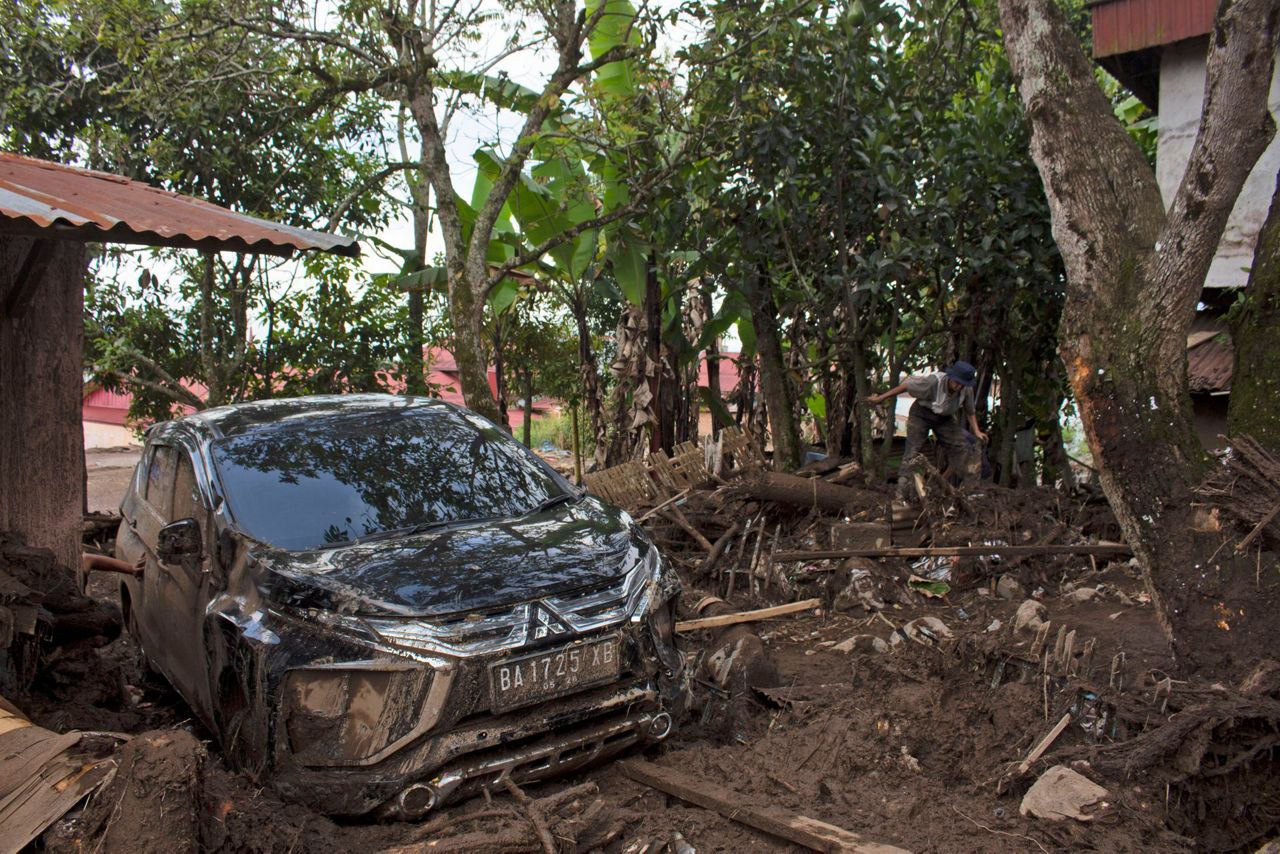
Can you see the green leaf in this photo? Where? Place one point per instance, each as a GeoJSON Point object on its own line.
{"type": "Point", "coordinates": [630, 264]}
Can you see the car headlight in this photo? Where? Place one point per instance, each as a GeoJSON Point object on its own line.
{"type": "Point", "coordinates": [346, 716]}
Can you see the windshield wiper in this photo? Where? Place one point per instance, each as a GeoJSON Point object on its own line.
{"type": "Point", "coordinates": [557, 500]}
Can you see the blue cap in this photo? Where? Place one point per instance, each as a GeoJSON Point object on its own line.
{"type": "Point", "coordinates": [963, 373]}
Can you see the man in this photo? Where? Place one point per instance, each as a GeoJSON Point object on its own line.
{"type": "Point", "coordinates": [939, 398]}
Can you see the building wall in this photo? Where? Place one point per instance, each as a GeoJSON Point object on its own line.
{"type": "Point", "coordinates": [99, 435]}
{"type": "Point", "coordinates": [1182, 79]}
{"type": "Point", "coordinates": [41, 442]}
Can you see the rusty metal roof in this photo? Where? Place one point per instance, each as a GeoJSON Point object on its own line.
{"type": "Point", "coordinates": [44, 199]}
{"type": "Point", "coordinates": [1209, 356]}
{"type": "Point", "coordinates": [1125, 26]}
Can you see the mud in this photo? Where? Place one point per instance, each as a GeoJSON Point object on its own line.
{"type": "Point", "coordinates": [917, 746]}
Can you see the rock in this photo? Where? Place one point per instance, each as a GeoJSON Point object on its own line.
{"type": "Point", "coordinates": [1030, 616]}
{"type": "Point", "coordinates": [861, 643]}
{"type": "Point", "coordinates": [995, 626]}
{"type": "Point", "coordinates": [1009, 588]}
{"type": "Point", "coordinates": [1082, 595]}
{"type": "Point", "coordinates": [1061, 793]}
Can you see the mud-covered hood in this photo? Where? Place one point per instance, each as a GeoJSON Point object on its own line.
{"type": "Point", "coordinates": [468, 568]}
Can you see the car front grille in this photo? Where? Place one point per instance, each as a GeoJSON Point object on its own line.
{"type": "Point", "coordinates": [510, 628]}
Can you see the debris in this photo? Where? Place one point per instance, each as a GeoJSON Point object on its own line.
{"type": "Point", "coordinates": [995, 625]}
{"type": "Point", "coordinates": [934, 568]}
{"type": "Point", "coordinates": [42, 776]}
{"type": "Point", "coordinates": [1044, 744]}
{"type": "Point", "coordinates": [860, 589]}
{"type": "Point", "coordinates": [861, 535]}
{"type": "Point", "coordinates": [861, 643]}
{"type": "Point", "coordinates": [801, 830]}
{"type": "Point", "coordinates": [1061, 793]}
{"type": "Point", "coordinates": [1009, 588]}
{"type": "Point", "coordinates": [784, 488]}
{"type": "Point", "coordinates": [746, 616]}
{"type": "Point", "coordinates": [1081, 595]}
{"type": "Point", "coordinates": [930, 589]}
{"type": "Point", "coordinates": [1116, 549]}
{"type": "Point", "coordinates": [925, 630]}
{"type": "Point", "coordinates": [1030, 616]}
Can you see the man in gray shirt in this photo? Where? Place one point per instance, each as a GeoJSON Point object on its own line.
{"type": "Point", "coordinates": [939, 398]}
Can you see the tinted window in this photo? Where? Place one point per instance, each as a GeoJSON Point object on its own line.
{"type": "Point", "coordinates": [160, 471]}
{"type": "Point", "coordinates": [329, 479]}
{"type": "Point", "coordinates": [186, 497]}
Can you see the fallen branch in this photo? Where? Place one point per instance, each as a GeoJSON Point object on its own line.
{"type": "Point", "coordinates": [801, 830]}
{"type": "Point", "coordinates": [1116, 549]}
{"type": "Point", "coordinates": [746, 616]}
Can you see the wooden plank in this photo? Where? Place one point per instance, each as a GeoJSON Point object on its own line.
{"type": "Point", "coordinates": [1116, 549]}
{"type": "Point", "coordinates": [1040, 748]}
{"type": "Point", "coordinates": [747, 616]}
{"type": "Point", "coordinates": [802, 830]}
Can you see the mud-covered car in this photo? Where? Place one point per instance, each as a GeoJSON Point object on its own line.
{"type": "Point", "coordinates": [382, 602]}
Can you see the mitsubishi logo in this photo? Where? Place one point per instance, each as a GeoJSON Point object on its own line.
{"type": "Point", "coordinates": [545, 622]}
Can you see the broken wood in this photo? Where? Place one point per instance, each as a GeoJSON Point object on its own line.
{"type": "Point", "coordinates": [672, 500]}
{"type": "Point", "coordinates": [676, 515]}
{"type": "Point", "coordinates": [801, 830]}
{"type": "Point", "coordinates": [1115, 549]}
{"type": "Point", "coordinates": [1044, 743]}
{"type": "Point", "coordinates": [718, 547]}
{"type": "Point", "coordinates": [1257, 529]}
{"type": "Point", "coordinates": [746, 616]}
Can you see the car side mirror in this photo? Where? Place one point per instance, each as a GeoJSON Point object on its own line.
{"type": "Point", "coordinates": [179, 540]}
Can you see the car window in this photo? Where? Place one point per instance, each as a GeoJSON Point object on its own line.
{"type": "Point", "coordinates": [160, 471]}
{"type": "Point", "coordinates": [330, 479]}
{"type": "Point", "coordinates": [186, 498]}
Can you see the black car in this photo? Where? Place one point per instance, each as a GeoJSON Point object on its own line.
{"type": "Point", "coordinates": [387, 602]}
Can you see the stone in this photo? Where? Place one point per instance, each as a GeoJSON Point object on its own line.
{"type": "Point", "coordinates": [1009, 588]}
{"type": "Point", "coordinates": [1062, 793]}
{"type": "Point", "coordinates": [861, 643]}
{"type": "Point", "coordinates": [1082, 595]}
{"type": "Point", "coordinates": [1030, 616]}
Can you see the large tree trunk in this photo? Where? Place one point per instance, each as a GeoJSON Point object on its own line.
{"type": "Point", "coordinates": [1134, 277]}
{"type": "Point", "coordinates": [774, 384]}
{"type": "Point", "coordinates": [1255, 335]}
{"type": "Point", "coordinates": [41, 388]}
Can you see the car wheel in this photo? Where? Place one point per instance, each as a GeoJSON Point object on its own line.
{"type": "Point", "coordinates": [131, 623]}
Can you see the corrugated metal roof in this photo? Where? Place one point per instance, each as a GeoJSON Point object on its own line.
{"type": "Point", "coordinates": [1209, 356]}
{"type": "Point", "coordinates": [38, 197]}
{"type": "Point", "coordinates": [1126, 26]}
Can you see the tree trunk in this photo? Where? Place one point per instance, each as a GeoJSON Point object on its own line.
{"type": "Point", "coordinates": [1255, 336]}
{"type": "Point", "coordinates": [774, 384]}
{"type": "Point", "coordinates": [41, 388]}
{"type": "Point", "coordinates": [526, 390]}
{"type": "Point", "coordinates": [1134, 277]}
{"type": "Point", "coordinates": [591, 393]}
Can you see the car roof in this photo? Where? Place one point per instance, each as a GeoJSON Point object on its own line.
{"type": "Point", "coordinates": [240, 418]}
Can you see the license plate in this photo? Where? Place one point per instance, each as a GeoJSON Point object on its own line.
{"type": "Point", "coordinates": [543, 676]}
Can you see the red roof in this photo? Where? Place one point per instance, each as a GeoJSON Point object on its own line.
{"type": "Point", "coordinates": [729, 376]}
{"type": "Point", "coordinates": [1127, 26]}
{"type": "Point", "coordinates": [47, 199]}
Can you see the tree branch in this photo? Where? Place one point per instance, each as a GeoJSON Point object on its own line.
{"type": "Point", "coordinates": [1235, 128]}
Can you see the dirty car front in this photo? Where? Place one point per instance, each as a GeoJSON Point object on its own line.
{"type": "Point", "coordinates": [411, 606]}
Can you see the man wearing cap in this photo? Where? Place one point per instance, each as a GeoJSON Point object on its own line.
{"type": "Point", "coordinates": [939, 398]}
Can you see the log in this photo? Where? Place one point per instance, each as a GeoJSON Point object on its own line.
{"type": "Point", "coordinates": [784, 488]}
{"type": "Point", "coordinates": [801, 830]}
{"type": "Point", "coordinates": [717, 548]}
{"type": "Point", "coordinates": [746, 616]}
{"type": "Point", "coordinates": [1114, 549]}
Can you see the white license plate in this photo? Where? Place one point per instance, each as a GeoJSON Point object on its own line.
{"type": "Point", "coordinates": [543, 676]}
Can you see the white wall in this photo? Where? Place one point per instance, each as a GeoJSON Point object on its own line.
{"type": "Point", "coordinates": [1182, 78]}
{"type": "Point", "coordinates": [97, 435]}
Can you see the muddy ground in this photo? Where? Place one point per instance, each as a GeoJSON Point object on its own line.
{"type": "Point", "coordinates": [915, 746]}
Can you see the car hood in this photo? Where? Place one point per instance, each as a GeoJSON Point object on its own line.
{"type": "Point", "coordinates": [472, 567]}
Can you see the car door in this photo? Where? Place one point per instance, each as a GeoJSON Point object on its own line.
{"type": "Point", "coordinates": [175, 592]}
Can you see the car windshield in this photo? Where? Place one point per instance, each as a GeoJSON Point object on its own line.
{"type": "Point", "coordinates": [326, 480]}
